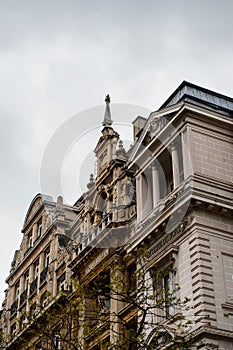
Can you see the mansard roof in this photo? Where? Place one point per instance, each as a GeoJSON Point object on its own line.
{"type": "Point", "coordinates": [200, 96]}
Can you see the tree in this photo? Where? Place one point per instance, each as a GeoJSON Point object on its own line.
{"type": "Point", "coordinates": [121, 307]}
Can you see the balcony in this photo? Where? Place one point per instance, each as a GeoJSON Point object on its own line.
{"type": "Point", "coordinates": [43, 275]}
{"type": "Point", "coordinates": [33, 286]}
{"type": "Point", "coordinates": [91, 237]}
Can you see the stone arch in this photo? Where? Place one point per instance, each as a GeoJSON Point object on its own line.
{"type": "Point", "coordinates": [159, 338]}
{"type": "Point", "coordinates": [99, 203]}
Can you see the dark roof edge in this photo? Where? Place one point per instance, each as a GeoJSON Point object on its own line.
{"type": "Point", "coordinates": [187, 83]}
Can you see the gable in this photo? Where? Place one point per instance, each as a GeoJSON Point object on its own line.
{"type": "Point", "coordinates": [35, 206]}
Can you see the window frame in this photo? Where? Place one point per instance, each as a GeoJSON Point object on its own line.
{"type": "Point", "coordinates": [39, 228]}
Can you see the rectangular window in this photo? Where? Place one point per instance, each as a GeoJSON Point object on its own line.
{"type": "Point", "coordinates": [132, 278]}
{"type": "Point", "coordinates": [26, 281]}
{"type": "Point", "coordinates": [33, 310]}
{"type": "Point", "coordinates": [36, 268]}
{"type": "Point", "coordinates": [29, 240]}
{"type": "Point", "coordinates": [39, 228]}
{"type": "Point", "coordinates": [17, 288]}
{"type": "Point", "coordinates": [43, 300]}
{"type": "Point", "coordinates": [34, 283]}
{"type": "Point", "coordinates": [168, 284]}
{"type": "Point", "coordinates": [47, 257]}
{"type": "Point", "coordinates": [62, 282]}
{"type": "Point", "coordinates": [164, 291]}
{"type": "Point", "coordinates": [13, 330]}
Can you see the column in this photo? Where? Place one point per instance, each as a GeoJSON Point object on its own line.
{"type": "Point", "coordinates": [155, 185]}
{"type": "Point", "coordinates": [175, 165]}
{"type": "Point", "coordinates": [139, 196]}
{"type": "Point", "coordinates": [187, 152]}
{"type": "Point", "coordinates": [149, 190]}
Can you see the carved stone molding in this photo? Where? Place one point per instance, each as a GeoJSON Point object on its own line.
{"type": "Point", "coordinates": [37, 204]}
{"type": "Point", "coordinates": [167, 238]}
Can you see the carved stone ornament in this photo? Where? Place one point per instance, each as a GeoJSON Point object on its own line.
{"type": "Point", "coordinates": [47, 220]}
{"type": "Point", "coordinates": [168, 237]}
{"type": "Point", "coordinates": [53, 232]}
{"type": "Point", "coordinates": [61, 255]}
{"type": "Point", "coordinates": [157, 124]}
{"type": "Point", "coordinates": [132, 210]}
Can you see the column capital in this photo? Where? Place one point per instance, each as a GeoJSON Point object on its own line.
{"type": "Point", "coordinates": [173, 145]}
{"type": "Point", "coordinates": [154, 165]}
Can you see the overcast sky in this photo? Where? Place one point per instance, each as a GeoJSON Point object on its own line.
{"type": "Point", "coordinates": [59, 58]}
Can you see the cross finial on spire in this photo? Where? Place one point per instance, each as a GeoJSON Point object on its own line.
{"type": "Point", "coordinates": [107, 116]}
{"type": "Point", "coordinates": [107, 98]}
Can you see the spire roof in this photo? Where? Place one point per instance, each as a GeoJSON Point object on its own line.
{"type": "Point", "coordinates": [107, 116]}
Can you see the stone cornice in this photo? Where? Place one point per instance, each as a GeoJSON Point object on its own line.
{"type": "Point", "coordinates": [179, 109]}
{"type": "Point", "coordinates": [217, 333]}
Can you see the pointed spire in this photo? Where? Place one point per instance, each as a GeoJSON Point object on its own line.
{"type": "Point", "coordinates": [107, 116]}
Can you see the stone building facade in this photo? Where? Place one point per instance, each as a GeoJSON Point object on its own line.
{"type": "Point", "coordinates": [163, 206]}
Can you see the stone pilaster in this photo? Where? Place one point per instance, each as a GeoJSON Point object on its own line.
{"type": "Point", "coordinates": [155, 184]}
{"type": "Point", "coordinates": [139, 197]}
{"type": "Point", "coordinates": [175, 164]}
{"type": "Point", "coordinates": [187, 152]}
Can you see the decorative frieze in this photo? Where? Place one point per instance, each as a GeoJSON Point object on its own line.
{"type": "Point", "coordinates": [168, 237]}
{"type": "Point", "coordinates": [100, 257]}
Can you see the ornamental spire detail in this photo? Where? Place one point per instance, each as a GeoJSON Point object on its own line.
{"type": "Point", "coordinates": [107, 116]}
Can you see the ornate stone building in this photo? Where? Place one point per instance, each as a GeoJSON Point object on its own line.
{"type": "Point", "coordinates": [153, 229]}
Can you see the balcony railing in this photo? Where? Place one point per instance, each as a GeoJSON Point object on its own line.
{"type": "Point", "coordinates": [33, 286]}
{"type": "Point", "coordinates": [23, 298]}
{"type": "Point", "coordinates": [87, 239]}
{"type": "Point", "coordinates": [43, 275]}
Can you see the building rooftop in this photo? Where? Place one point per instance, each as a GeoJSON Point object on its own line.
{"type": "Point", "coordinates": [202, 97]}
